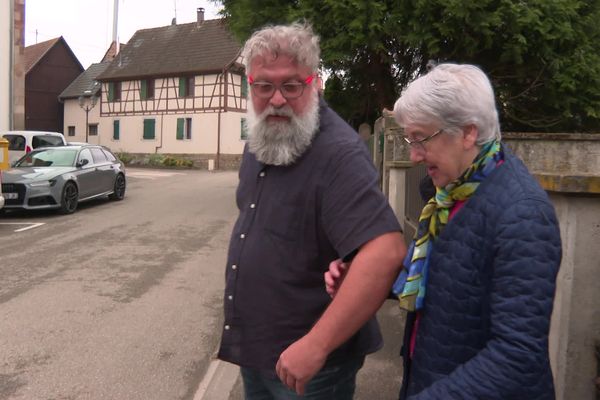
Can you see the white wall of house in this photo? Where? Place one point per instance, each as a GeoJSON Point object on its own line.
{"type": "Point", "coordinates": [203, 138]}
{"type": "Point", "coordinates": [75, 116]}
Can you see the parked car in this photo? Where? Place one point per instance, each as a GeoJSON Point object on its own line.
{"type": "Point", "coordinates": [22, 142]}
{"type": "Point", "coordinates": [61, 177]}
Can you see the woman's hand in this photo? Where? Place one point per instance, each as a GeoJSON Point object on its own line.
{"type": "Point", "coordinates": [335, 276]}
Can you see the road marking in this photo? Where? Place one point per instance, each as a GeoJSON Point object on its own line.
{"type": "Point", "coordinates": [31, 225]}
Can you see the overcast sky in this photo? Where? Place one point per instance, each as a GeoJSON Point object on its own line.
{"type": "Point", "coordinates": [87, 25]}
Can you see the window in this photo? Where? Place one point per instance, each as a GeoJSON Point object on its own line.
{"type": "Point", "coordinates": [114, 91]}
{"type": "Point", "coordinates": [15, 142]}
{"type": "Point", "coordinates": [71, 131]}
{"type": "Point", "coordinates": [243, 129]}
{"type": "Point", "coordinates": [147, 89]}
{"type": "Point", "coordinates": [244, 84]}
{"type": "Point", "coordinates": [93, 129]}
{"type": "Point", "coordinates": [98, 155]}
{"type": "Point", "coordinates": [46, 141]}
{"type": "Point", "coordinates": [149, 125]}
{"type": "Point", "coordinates": [184, 128]}
{"type": "Point", "coordinates": [116, 130]}
{"type": "Point", "coordinates": [186, 86]}
{"type": "Point", "coordinates": [85, 155]}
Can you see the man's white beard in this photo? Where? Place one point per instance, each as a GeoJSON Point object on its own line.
{"type": "Point", "coordinates": [282, 142]}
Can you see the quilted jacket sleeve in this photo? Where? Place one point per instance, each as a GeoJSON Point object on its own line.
{"type": "Point", "coordinates": [527, 257]}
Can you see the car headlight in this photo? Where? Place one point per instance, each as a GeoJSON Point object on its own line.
{"type": "Point", "coordinates": [42, 184]}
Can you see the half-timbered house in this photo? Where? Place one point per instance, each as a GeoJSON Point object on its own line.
{"type": "Point", "coordinates": [178, 90]}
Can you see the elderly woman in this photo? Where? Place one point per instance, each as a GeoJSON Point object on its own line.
{"type": "Point", "coordinates": [479, 277]}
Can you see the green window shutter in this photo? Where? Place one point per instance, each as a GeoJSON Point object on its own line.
{"type": "Point", "coordinates": [182, 87]}
{"type": "Point", "coordinates": [116, 130]}
{"type": "Point", "coordinates": [244, 86]}
{"type": "Point", "coordinates": [243, 129]}
{"type": "Point", "coordinates": [111, 91]}
{"type": "Point", "coordinates": [149, 129]}
{"type": "Point", "coordinates": [180, 123]}
{"type": "Point", "coordinates": [144, 90]}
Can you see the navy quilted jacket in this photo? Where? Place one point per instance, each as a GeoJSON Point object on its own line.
{"type": "Point", "coordinates": [483, 332]}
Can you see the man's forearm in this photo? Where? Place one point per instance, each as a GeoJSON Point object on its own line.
{"type": "Point", "coordinates": [364, 289]}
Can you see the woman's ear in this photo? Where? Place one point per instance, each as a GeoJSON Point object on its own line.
{"type": "Point", "coordinates": [470, 135]}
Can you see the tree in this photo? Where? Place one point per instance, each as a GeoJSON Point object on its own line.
{"type": "Point", "coordinates": [542, 56]}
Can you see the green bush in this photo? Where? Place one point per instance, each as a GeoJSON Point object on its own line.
{"type": "Point", "coordinates": [126, 158]}
{"type": "Point", "coordinates": [156, 159]}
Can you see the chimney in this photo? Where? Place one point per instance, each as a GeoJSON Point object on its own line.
{"type": "Point", "coordinates": [200, 12]}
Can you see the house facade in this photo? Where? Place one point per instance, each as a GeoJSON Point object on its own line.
{"type": "Point", "coordinates": [177, 90]}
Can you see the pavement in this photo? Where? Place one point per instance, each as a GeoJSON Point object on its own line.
{"type": "Point", "coordinates": [379, 378]}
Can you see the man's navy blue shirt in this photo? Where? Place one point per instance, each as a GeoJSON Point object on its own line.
{"type": "Point", "coordinates": [294, 220]}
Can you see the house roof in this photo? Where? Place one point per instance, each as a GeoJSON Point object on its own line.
{"type": "Point", "coordinates": [84, 82]}
{"type": "Point", "coordinates": [186, 49]}
{"type": "Point", "coordinates": [112, 51]}
{"type": "Point", "coordinates": [34, 53]}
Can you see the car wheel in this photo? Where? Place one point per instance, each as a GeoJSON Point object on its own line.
{"type": "Point", "coordinates": [119, 189]}
{"type": "Point", "coordinates": [69, 198]}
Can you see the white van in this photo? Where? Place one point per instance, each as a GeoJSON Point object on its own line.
{"type": "Point", "coordinates": [22, 142]}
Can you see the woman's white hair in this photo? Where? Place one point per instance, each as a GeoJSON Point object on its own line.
{"type": "Point", "coordinates": [454, 96]}
{"type": "Point", "coordinates": [296, 40]}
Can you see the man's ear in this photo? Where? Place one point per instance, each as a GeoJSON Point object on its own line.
{"type": "Point", "coordinates": [470, 135]}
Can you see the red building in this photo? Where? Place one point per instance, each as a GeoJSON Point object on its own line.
{"type": "Point", "coordinates": [50, 67]}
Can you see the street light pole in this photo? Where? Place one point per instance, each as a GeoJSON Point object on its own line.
{"type": "Point", "coordinates": [87, 102]}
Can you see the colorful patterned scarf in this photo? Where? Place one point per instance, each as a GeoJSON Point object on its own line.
{"type": "Point", "coordinates": [412, 281]}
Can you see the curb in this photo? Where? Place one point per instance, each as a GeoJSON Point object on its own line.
{"type": "Point", "coordinates": [218, 382]}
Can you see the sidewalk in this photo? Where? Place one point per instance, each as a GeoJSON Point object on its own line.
{"type": "Point", "coordinates": [378, 379]}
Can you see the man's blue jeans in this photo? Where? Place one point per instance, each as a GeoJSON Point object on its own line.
{"type": "Point", "coordinates": [331, 383]}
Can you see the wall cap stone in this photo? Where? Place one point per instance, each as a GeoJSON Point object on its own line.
{"type": "Point", "coordinates": [569, 183]}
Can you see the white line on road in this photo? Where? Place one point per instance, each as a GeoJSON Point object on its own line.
{"type": "Point", "coordinates": [31, 225]}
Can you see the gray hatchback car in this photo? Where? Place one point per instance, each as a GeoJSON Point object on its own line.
{"type": "Point", "coordinates": [61, 177]}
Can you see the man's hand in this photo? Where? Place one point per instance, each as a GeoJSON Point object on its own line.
{"type": "Point", "coordinates": [335, 276]}
{"type": "Point", "coordinates": [299, 363]}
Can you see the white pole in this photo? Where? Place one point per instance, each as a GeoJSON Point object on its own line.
{"type": "Point", "coordinates": [115, 36]}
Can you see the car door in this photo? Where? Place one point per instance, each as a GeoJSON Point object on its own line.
{"type": "Point", "coordinates": [104, 170]}
{"type": "Point", "coordinates": [87, 176]}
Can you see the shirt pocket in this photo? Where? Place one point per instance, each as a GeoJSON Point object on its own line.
{"type": "Point", "coordinates": [284, 222]}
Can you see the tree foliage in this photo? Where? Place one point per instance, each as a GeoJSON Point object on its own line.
{"type": "Point", "coordinates": [543, 56]}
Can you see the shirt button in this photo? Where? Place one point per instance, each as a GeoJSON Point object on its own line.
{"type": "Point", "coordinates": [252, 205]}
{"type": "Point", "coordinates": [262, 174]}
{"type": "Point", "coordinates": [242, 235]}
{"type": "Point", "coordinates": [230, 297]}
{"type": "Point", "coordinates": [227, 327]}
{"type": "Point", "coordinates": [234, 266]}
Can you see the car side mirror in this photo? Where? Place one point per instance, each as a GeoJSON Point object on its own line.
{"type": "Point", "coordinates": [83, 162]}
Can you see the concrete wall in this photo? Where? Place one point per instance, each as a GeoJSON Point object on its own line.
{"type": "Point", "coordinates": [568, 167]}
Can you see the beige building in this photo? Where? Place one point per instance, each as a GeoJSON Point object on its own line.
{"type": "Point", "coordinates": [177, 90]}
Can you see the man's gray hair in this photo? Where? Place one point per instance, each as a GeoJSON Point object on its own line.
{"type": "Point", "coordinates": [296, 40]}
{"type": "Point", "coordinates": [453, 95]}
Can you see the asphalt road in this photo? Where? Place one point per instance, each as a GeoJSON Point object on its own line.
{"type": "Point", "coordinates": [121, 300]}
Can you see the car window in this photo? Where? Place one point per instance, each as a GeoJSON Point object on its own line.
{"type": "Point", "coordinates": [46, 141]}
{"type": "Point", "coordinates": [15, 142]}
{"type": "Point", "coordinates": [48, 158]}
{"type": "Point", "coordinates": [86, 155]}
{"type": "Point", "coordinates": [109, 155]}
{"type": "Point", "coordinates": [98, 155]}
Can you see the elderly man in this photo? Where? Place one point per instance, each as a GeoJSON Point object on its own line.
{"type": "Point", "coordinates": [307, 195]}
